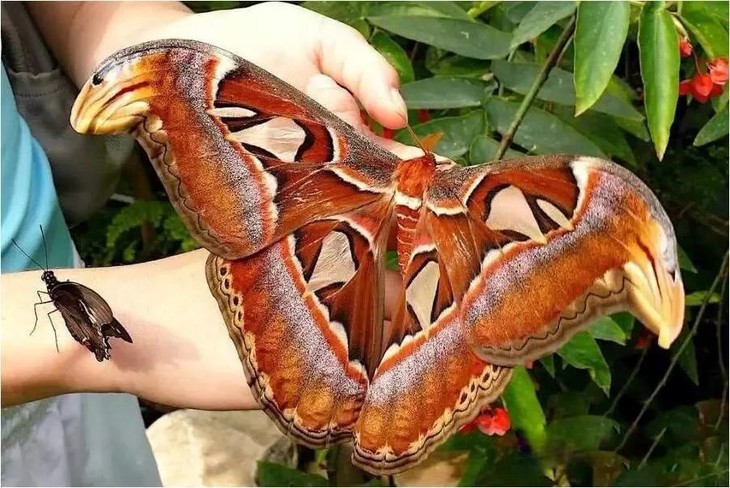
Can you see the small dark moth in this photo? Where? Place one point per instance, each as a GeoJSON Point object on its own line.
{"type": "Point", "coordinates": [88, 317]}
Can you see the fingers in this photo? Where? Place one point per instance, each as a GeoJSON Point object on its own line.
{"type": "Point", "coordinates": [345, 55]}
{"type": "Point", "coordinates": [339, 101]}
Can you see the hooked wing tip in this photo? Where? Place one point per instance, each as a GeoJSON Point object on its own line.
{"type": "Point", "coordinates": [656, 297]}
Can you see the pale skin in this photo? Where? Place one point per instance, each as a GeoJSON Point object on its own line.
{"type": "Point", "coordinates": [181, 354]}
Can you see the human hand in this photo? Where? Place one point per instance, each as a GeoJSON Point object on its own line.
{"type": "Point", "coordinates": [298, 45]}
{"type": "Point", "coordinates": [291, 42]}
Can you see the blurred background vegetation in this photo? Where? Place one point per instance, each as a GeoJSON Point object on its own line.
{"type": "Point", "coordinates": [609, 408]}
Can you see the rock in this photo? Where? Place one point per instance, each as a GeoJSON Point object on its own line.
{"type": "Point", "coordinates": [194, 447]}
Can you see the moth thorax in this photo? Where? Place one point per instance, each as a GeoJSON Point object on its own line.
{"type": "Point", "coordinates": [415, 175]}
{"type": "Point", "coordinates": [406, 235]}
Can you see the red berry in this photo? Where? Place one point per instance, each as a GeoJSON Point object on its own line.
{"type": "Point", "coordinates": [685, 47]}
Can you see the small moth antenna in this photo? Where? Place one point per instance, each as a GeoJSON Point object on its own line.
{"type": "Point", "coordinates": [27, 255]}
{"type": "Point", "coordinates": [45, 247]}
{"type": "Point", "coordinates": [416, 139]}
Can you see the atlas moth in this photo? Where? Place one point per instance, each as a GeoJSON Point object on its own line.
{"type": "Point", "coordinates": [501, 263]}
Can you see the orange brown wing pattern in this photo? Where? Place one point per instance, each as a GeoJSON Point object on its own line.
{"type": "Point", "coordinates": [501, 263]}
{"type": "Point", "coordinates": [563, 240]}
{"type": "Point", "coordinates": [305, 316]}
{"type": "Point", "coordinates": [245, 158]}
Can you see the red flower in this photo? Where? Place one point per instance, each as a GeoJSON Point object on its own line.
{"type": "Point", "coordinates": [423, 116]}
{"type": "Point", "coordinates": [489, 422]}
{"type": "Point", "coordinates": [718, 71]}
{"type": "Point", "coordinates": [701, 87]}
{"type": "Point", "coordinates": [685, 87]}
{"type": "Point", "coordinates": [388, 133]}
{"type": "Point", "coordinates": [685, 47]}
{"type": "Point", "coordinates": [645, 340]}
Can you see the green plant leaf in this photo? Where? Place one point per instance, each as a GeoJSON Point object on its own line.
{"type": "Point", "coordinates": [176, 230]}
{"type": "Point", "coordinates": [475, 465]}
{"type": "Point", "coordinates": [514, 469]}
{"type": "Point", "coordinates": [602, 130]}
{"type": "Point", "coordinates": [599, 39]}
{"type": "Point", "coordinates": [568, 404]}
{"type": "Point", "coordinates": [468, 38]}
{"type": "Point", "coordinates": [626, 321]}
{"type": "Point", "coordinates": [448, 9]}
{"type": "Point", "coordinates": [659, 62]}
{"type": "Point", "coordinates": [684, 261]}
{"type": "Point", "coordinates": [273, 474]}
{"type": "Point", "coordinates": [681, 424]}
{"type": "Point", "coordinates": [516, 11]}
{"type": "Point", "coordinates": [134, 215]}
{"type": "Point", "coordinates": [687, 359]}
{"type": "Point", "coordinates": [582, 352]}
{"type": "Point", "coordinates": [445, 92]}
{"type": "Point", "coordinates": [484, 148]}
{"type": "Point", "coordinates": [636, 128]}
{"type": "Point", "coordinates": [607, 466]}
{"type": "Point", "coordinates": [710, 31]}
{"type": "Point", "coordinates": [548, 362]}
{"type": "Point", "coordinates": [539, 19]}
{"type": "Point", "coordinates": [456, 66]}
{"type": "Point", "coordinates": [606, 329]}
{"type": "Point", "coordinates": [395, 55]}
{"type": "Point", "coordinates": [720, 103]}
{"type": "Point", "coordinates": [582, 433]}
{"type": "Point", "coordinates": [458, 133]}
{"type": "Point", "coordinates": [540, 131]}
{"type": "Point", "coordinates": [350, 13]}
{"type": "Point", "coordinates": [714, 129]}
{"type": "Point", "coordinates": [524, 408]}
{"type": "Point", "coordinates": [696, 298]}
{"type": "Point", "coordinates": [426, 9]}
{"type": "Point", "coordinates": [558, 88]}
{"type": "Point", "coordinates": [719, 10]}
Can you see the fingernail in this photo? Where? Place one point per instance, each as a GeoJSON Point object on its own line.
{"type": "Point", "coordinates": [399, 104]}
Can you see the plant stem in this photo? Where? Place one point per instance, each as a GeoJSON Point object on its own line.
{"type": "Point", "coordinates": [657, 439]}
{"type": "Point", "coordinates": [478, 10]}
{"type": "Point", "coordinates": [675, 359]}
{"type": "Point", "coordinates": [720, 360]}
{"type": "Point", "coordinates": [694, 481]}
{"type": "Point", "coordinates": [626, 384]}
{"type": "Point", "coordinates": [550, 63]}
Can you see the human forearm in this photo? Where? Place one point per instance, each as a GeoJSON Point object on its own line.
{"type": "Point", "coordinates": [82, 34]}
{"type": "Point", "coordinates": [181, 353]}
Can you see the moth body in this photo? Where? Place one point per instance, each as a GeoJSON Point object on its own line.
{"type": "Point", "coordinates": [413, 177]}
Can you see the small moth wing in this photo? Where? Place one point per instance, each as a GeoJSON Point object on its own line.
{"type": "Point", "coordinates": [110, 326]}
{"type": "Point", "coordinates": [88, 317]}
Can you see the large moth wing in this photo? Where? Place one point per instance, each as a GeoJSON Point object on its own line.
{"type": "Point", "coordinates": [245, 158]}
{"type": "Point", "coordinates": [305, 315]}
{"type": "Point", "coordinates": [559, 241]}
